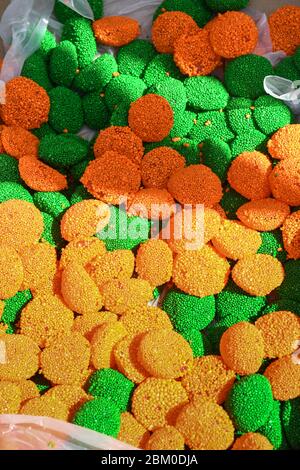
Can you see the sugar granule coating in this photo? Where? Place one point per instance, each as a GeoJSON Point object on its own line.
{"type": "Point", "coordinates": [286, 68]}
{"type": "Point", "coordinates": [197, 10]}
{"type": "Point", "coordinates": [249, 175]}
{"type": "Point", "coordinates": [87, 324]}
{"type": "Point", "coordinates": [117, 235]}
{"type": "Point", "coordinates": [28, 390]}
{"type": "Point", "coordinates": [21, 357]}
{"type": "Point", "coordinates": [110, 177]}
{"type": "Point", "coordinates": [79, 31]}
{"type": "Point", "coordinates": [41, 177]}
{"type": "Point", "coordinates": [196, 184]}
{"type": "Point", "coordinates": [10, 190]}
{"type": "Point", "coordinates": [284, 377]}
{"type": "Point", "coordinates": [289, 288]}
{"type": "Point", "coordinates": [166, 438]}
{"type": "Point", "coordinates": [164, 354]}
{"type": "Point", "coordinates": [233, 34]}
{"type": "Point", "coordinates": [151, 254]}
{"type": "Point", "coordinates": [264, 215]}
{"type": "Point", "coordinates": [10, 398]}
{"type": "Point", "coordinates": [222, 6]}
{"type": "Point", "coordinates": [151, 118]}
{"type": "Point", "coordinates": [118, 264]}
{"type": "Point", "coordinates": [96, 75]}
{"type": "Point", "coordinates": [168, 27]}
{"type": "Point", "coordinates": [66, 360]}
{"type": "Point", "coordinates": [48, 43]}
{"type": "Point", "coordinates": [82, 251]}
{"type": "Point", "coordinates": [217, 156]}
{"type": "Point", "coordinates": [103, 341]}
{"type": "Point", "coordinates": [39, 263]}
{"type": "Point", "coordinates": [245, 75]}
{"type": "Point", "coordinates": [250, 402]}
{"type": "Point", "coordinates": [284, 27]}
{"type": "Point", "coordinates": [201, 273]}
{"type": "Point", "coordinates": [121, 140]}
{"type": "Point", "coordinates": [122, 296]}
{"type": "Point", "coordinates": [183, 123]}
{"type": "Point", "coordinates": [273, 428]}
{"type": "Point", "coordinates": [125, 354]}
{"type": "Point", "coordinates": [290, 235]}
{"type": "Point", "coordinates": [79, 291]}
{"type": "Point", "coordinates": [285, 181]}
{"type": "Point", "coordinates": [12, 272]}
{"type": "Point", "coordinates": [290, 421]}
{"type": "Point", "coordinates": [21, 224]}
{"type": "Point", "coordinates": [185, 229]}
{"type": "Point", "coordinates": [63, 150]}
{"type": "Point", "coordinates": [19, 142]}
{"type": "Point", "coordinates": [53, 203]}
{"type": "Point", "coordinates": [100, 415]}
{"type": "Point", "coordinates": [132, 432]}
{"type": "Point", "coordinates": [26, 104]}
{"type": "Point", "coordinates": [134, 57]}
{"type": "Point", "coordinates": [112, 385]}
{"type": "Point", "coordinates": [152, 203]}
{"type": "Point", "coordinates": [206, 93]}
{"type": "Point", "coordinates": [284, 143]}
{"type": "Point", "coordinates": [280, 331]}
{"type": "Point", "coordinates": [45, 406]}
{"type": "Point", "coordinates": [205, 426]}
{"type": "Point", "coordinates": [211, 124]}
{"type": "Point", "coordinates": [248, 142]}
{"type": "Point", "coordinates": [9, 169]}
{"type": "Point", "coordinates": [161, 67]}
{"type": "Point", "coordinates": [96, 114]}
{"type": "Point", "coordinates": [66, 114]}
{"type": "Point", "coordinates": [187, 312]}
{"type": "Point", "coordinates": [252, 441]}
{"type": "Point", "coordinates": [230, 231]}
{"type": "Point", "coordinates": [174, 92]}
{"type": "Point", "coordinates": [142, 319]}
{"type": "Point", "coordinates": [209, 379]}
{"type": "Point", "coordinates": [157, 402]}
{"type": "Point", "coordinates": [84, 219]}
{"type": "Point", "coordinates": [116, 31]}
{"type": "Point", "coordinates": [12, 307]}
{"type": "Point", "coordinates": [51, 232]}
{"type": "Point", "coordinates": [63, 63]}
{"type": "Point", "coordinates": [36, 69]}
{"type": "Point", "coordinates": [123, 89]}
{"type": "Point", "coordinates": [158, 165]}
{"type": "Point", "coordinates": [194, 55]}
{"type": "Point", "coordinates": [271, 114]}
{"type": "Point", "coordinates": [250, 274]}
{"type": "Point", "coordinates": [45, 318]}
{"type": "Point", "coordinates": [242, 348]}
{"type": "Point", "coordinates": [73, 396]}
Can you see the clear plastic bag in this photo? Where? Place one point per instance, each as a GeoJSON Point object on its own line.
{"type": "Point", "coordinates": [284, 90]}
{"type": "Point", "coordinates": [20, 432]}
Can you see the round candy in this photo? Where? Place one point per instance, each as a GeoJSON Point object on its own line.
{"type": "Point", "coordinates": [250, 402]}
{"type": "Point", "coordinates": [63, 150]}
{"type": "Point", "coordinates": [245, 75]}
{"type": "Point", "coordinates": [121, 140]}
{"type": "Point", "coordinates": [97, 75]}
{"type": "Point", "coordinates": [45, 406]}
{"type": "Point", "coordinates": [66, 114]}
{"type": "Point", "coordinates": [209, 378]}
{"type": "Point", "coordinates": [156, 402]}
{"type": "Point", "coordinates": [101, 415]}
{"type": "Point", "coordinates": [284, 27]}
{"type": "Point", "coordinates": [161, 67]}
{"type": "Point", "coordinates": [151, 118]}
{"type": "Point", "coordinates": [132, 432]}
{"type": "Point", "coordinates": [271, 114]}
{"type": "Point", "coordinates": [124, 89]}
{"type": "Point", "coordinates": [242, 348]}
{"type": "Point", "coordinates": [285, 181]}
{"type": "Point", "coordinates": [168, 27]}
{"type": "Point", "coordinates": [151, 254]}
{"type": "Point", "coordinates": [63, 64]}
{"type": "Point", "coordinates": [233, 34]}
{"type": "Point", "coordinates": [164, 354]}
{"type": "Point", "coordinates": [285, 142]}
{"type": "Point", "coordinates": [197, 417]}
{"type": "Point", "coordinates": [250, 274]}
{"type": "Point", "coordinates": [125, 355]}
{"type": "Point", "coordinates": [134, 57]}
{"type": "Point", "coordinates": [252, 441]}
{"type": "Point", "coordinates": [103, 341]}
{"type": "Point", "coordinates": [284, 377]}
{"type": "Point", "coordinates": [19, 142]}
{"type": "Point", "coordinates": [122, 296]}
{"type": "Point", "coordinates": [79, 31]}
{"type": "Point", "coordinates": [112, 385]}
{"type": "Point", "coordinates": [116, 31]}
{"type": "Point", "coordinates": [166, 438]}
{"type": "Point", "coordinates": [206, 93]}
{"type": "Point", "coordinates": [35, 68]}
{"type": "Point", "coordinates": [263, 215]}
{"type": "Point", "coordinates": [158, 165]}
{"type": "Point", "coordinates": [21, 357]}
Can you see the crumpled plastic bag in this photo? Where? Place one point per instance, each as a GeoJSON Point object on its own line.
{"type": "Point", "coordinates": [284, 90]}
{"type": "Point", "coordinates": [21, 432]}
